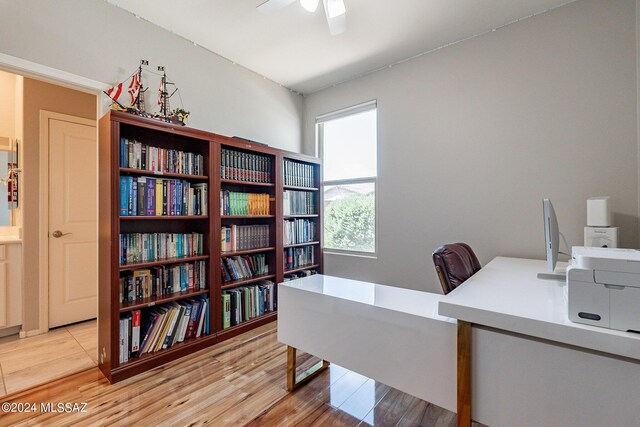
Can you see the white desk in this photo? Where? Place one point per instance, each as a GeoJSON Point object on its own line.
{"type": "Point", "coordinates": [390, 334]}
{"type": "Point", "coordinates": [533, 364]}
{"type": "Point", "coordinates": [529, 365]}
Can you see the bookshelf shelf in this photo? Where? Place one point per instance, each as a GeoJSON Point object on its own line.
{"type": "Point", "coordinates": [168, 261]}
{"type": "Point", "coordinates": [264, 318]}
{"type": "Point", "coordinates": [150, 360]}
{"type": "Point", "coordinates": [303, 267]}
{"type": "Point", "coordinates": [163, 217]}
{"type": "Point", "coordinates": [295, 187]}
{"type": "Point", "coordinates": [255, 184]}
{"type": "Point", "coordinates": [157, 300]}
{"type": "Point", "coordinates": [297, 245]}
{"type": "Point", "coordinates": [246, 216]}
{"type": "Point", "coordinates": [247, 251]}
{"type": "Point", "coordinates": [301, 216]}
{"type": "Point", "coordinates": [140, 172]}
{"type": "Point", "coordinates": [236, 283]}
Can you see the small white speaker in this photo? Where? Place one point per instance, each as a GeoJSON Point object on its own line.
{"type": "Point", "coordinates": [598, 212]}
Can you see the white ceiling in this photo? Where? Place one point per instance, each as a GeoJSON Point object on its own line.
{"type": "Point", "coordinates": [294, 48]}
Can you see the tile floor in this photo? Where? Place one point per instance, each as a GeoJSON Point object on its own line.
{"type": "Point", "coordinates": [36, 360]}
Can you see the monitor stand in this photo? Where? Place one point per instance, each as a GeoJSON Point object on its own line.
{"type": "Point", "coordinates": [559, 273]}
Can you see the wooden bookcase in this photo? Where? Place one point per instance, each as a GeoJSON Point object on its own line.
{"type": "Point", "coordinates": [117, 125]}
{"type": "Point", "coordinates": [310, 187]}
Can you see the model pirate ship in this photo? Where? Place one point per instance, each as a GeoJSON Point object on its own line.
{"type": "Point", "coordinates": [129, 96]}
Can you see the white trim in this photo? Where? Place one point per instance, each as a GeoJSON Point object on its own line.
{"type": "Point", "coordinates": [349, 111]}
{"type": "Point", "coordinates": [43, 209]}
{"type": "Point", "coordinates": [63, 78]}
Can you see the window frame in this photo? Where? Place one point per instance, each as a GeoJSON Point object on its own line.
{"type": "Point", "coordinates": [320, 121]}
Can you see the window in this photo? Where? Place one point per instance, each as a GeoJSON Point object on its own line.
{"type": "Point", "coordinates": [347, 142]}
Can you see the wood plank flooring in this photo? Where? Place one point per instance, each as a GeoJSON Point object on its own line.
{"type": "Point", "coordinates": [239, 382]}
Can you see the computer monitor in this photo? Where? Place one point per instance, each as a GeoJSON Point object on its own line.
{"type": "Point", "coordinates": [551, 242]}
{"type": "Point", "coordinates": [551, 234]}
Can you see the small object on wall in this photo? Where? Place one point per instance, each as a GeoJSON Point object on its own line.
{"type": "Point", "coordinates": [599, 232]}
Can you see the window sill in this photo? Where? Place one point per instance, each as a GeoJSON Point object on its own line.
{"type": "Point", "coordinates": [351, 254]}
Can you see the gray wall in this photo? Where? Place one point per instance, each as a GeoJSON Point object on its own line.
{"type": "Point", "coordinates": [473, 136]}
{"type": "Point", "coordinates": [97, 40]}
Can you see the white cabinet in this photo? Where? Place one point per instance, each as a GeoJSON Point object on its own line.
{"type": "Point", "coordinates": [10, 284]}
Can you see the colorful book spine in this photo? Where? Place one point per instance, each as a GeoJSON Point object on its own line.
{"type": "Point", "coordinates": [136, 155]}
{"type": "Point", "coordinates": [151, 196]}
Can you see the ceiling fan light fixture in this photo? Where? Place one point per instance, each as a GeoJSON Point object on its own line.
{"type": "Point", "coordinates": [309, 5]}
{"type": "Point", "coordinates": [335, 8]}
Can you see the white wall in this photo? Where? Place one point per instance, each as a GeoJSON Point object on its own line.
{"type": "Point", "coordinates": [473, 136]}
{"type": "Point", "coordinates": [97, 40]}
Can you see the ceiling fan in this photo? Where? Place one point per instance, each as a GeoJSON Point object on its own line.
{"type": "Point", "coordinates": [334, 9]}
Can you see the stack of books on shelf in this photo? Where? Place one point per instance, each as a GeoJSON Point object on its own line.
{"type": "Point", "coordinates": [135, 155]}
{"type": "Point", "coordinates": [298, 257]}
{"type": "Point", "coordinates": [148, 196]}
{"type": "Point", "coordinates": [241, 166]}
{"type": "Point", "coordinates": [162, 280]}
{"type": "Point", "coordinates": [234, 203]}
{"type": "Point", "coordinates": [298, 174]}
{"type": "Point", "coordinates": [159, 328]}
{"type": "Point", "coordinates": [149, 247]}
{"type": "Point", "coordinates": [243, 267]}
{"type": "Point", "coordinates": [298, 203]}
{"type": "Point", "coordinates": [299, 274]}
{"type": "Point", "coordinates": [245, 303]}
{"type": "Point", "coordinates": [244, 237]}
{"type": "Point", "coordinates": [299, 231]}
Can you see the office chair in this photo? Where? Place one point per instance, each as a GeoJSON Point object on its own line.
{"type": "Point", "coordinates": [454, 263]}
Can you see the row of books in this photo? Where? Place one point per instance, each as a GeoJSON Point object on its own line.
{"type": "Point", "coordinates": [149, 247]}
{"type": "Point", "coordinates": [234, 203]}
{"type": "Point", "coordinates": [162, 280]}
{"type": "Point", "coordinates": [136, 155]}
{"type": "Point", "coordinates": [299, 203]}
{"type": "Point", "coordinates": [298, 257]}
{"type": "Point", "coordinates": [147, 196]}
{"type": "Point", "coordinates": [245, 303]}
{"type": "Point", "coordinates": [244, 237]}
{"type": "Point", "coordinates": [298, 174]}
{"type": "Point", "coordinates": [243, 166]}
{"type": "Point", "coordinates": [162, 327]}
{"type": "Point", "coordinates": [299, 231]}
{"type": "Point", "coordinates": [243, 267]}
{"type": "Point", "coordinates": [299, 274]}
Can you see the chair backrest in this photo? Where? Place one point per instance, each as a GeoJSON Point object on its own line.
{"type": "Point", "coordinates": [454, 263]}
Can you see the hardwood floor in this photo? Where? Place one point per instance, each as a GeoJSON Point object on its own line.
{"type": "Point", "coordinates": [239, 382]}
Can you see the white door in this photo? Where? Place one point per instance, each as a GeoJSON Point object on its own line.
{"type": "Point", "coordinates": [73, 261]}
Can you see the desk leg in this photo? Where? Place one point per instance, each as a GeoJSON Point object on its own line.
{"type": "Point", "coordinates": [294, 381]}
{"type": "Point", "coordinates": [464, 374]}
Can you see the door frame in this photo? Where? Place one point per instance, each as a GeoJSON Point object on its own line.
{"type": "Point", "coordinates": [34, 70]}
{"type": "Point", "coordinates": [43, 205]}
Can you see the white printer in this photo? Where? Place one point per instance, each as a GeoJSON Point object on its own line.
{"type": "Point", "coordinates": [603, 287]}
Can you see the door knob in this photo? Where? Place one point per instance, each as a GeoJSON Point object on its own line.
{"type": "Point", "coordinates": [58, 233]}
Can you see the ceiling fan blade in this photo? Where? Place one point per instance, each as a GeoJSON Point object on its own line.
{"type": "Point", "coordinates": [336, 16]}
{"type": "Point", "coordinates": [273, 5]}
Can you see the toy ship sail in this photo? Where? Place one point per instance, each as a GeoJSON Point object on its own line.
{"type": "Point", "coordinates": [179, 115]}
{"type": "Point", "coordinates": [129, 95]}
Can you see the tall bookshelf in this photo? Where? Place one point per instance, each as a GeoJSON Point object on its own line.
{"type": "Point", "coordinates": [302, 214]}
{"type": "Point", "coordinates": [245, 168]}
{"type": "Point", "coordinates": [266, 178]}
